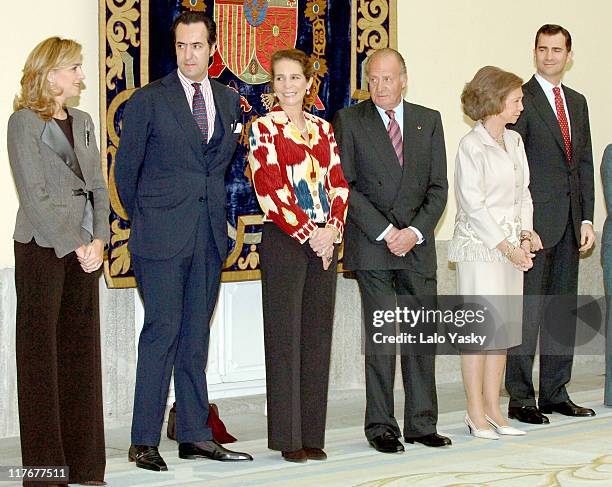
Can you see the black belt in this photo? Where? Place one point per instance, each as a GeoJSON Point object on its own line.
{"type": "Point", "coordinates": [81, 192]}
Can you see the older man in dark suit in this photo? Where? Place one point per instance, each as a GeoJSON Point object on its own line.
{"type": "Point", "coordinates": [555, 129]}
{"type": "Point", "coordinates": [178, 137]}
{"type": "Point", "coordinates": [394, 160]}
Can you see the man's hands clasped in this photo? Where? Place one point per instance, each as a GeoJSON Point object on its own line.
{"type": "Point", "coordinates": [400, 242]}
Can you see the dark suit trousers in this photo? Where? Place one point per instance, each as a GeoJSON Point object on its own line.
{"type": "Point", "coordinates": [298, 309]}
{"type": "Point", "coordinates": [418, 371]}
{"type": "Point", "coordinates": [179, 296]}
{"type": "Point", "coordinates": [554, 273]}
{"type": "Point", "coordinates": [59, 379]}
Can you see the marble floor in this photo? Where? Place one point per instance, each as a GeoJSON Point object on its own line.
{"type": "Point", "coordinates": [578, 449]}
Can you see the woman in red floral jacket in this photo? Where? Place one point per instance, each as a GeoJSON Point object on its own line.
{"type": "Point", "coordinates": [303, 194]}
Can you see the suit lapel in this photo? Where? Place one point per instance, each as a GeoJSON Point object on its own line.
{"type": "Point", "coordinates": [182, 112]}
{"type": "Point", "coordinates": [55, 138]}
{"type": "Point", "coordinates": [542, 106]}
{"type": "Point", "coordinates": [376, 131]}
{"type": "Point", "coordinates": [224, 121]}
{"type": "Point", "coordinates": [571, 103]}
{"type": "Point", "coordinates": [83, 137]}
{"type": "Point", "coordinates": [411, 139]}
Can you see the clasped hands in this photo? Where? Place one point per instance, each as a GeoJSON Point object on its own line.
{"type": "Point", "coordinates": [521, 257]}
{"type": "Point", "coordinates": [322, 243]}
{"type": "Point", "coordinates": [90, 256]}
{"type": "Point", "coordinates": [400, 242]}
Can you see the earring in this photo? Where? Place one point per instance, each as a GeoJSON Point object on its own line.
{"type": "Point", "coordinates": [308, 91]}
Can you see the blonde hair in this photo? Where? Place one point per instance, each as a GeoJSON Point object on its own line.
{"type": "Point", "coordinates": [37, 93]}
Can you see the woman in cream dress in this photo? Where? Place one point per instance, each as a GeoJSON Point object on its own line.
{"type": "Point", "coordinates": [493, 239]}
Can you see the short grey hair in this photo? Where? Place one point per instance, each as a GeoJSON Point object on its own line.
{"type": "Point", "coordinates": [385, 51]}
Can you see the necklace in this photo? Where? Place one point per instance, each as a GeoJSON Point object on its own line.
{"type": "Point", "coordinates": [303, 131]}
{"type": "Point", "coordinates": [499, 140]}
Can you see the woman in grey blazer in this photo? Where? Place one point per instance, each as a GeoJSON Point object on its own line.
{"type": "Point", "coordinates": [60, 232]}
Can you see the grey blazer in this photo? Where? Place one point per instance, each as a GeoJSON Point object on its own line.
{"type": "Point", "coordinates": [49, 211]}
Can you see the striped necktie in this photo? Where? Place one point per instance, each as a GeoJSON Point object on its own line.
{"type": "Point", "coordinates": [199, 111]}
{"type": "Point", "coordinates": [563, 124]}
{"type": "Point", "coordinates": [395, 134]}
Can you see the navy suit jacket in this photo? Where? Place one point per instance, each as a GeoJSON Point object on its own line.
{"type": "Point", "coordinates": [164, 173]}
{"type": "Point", "coordinates": [557, 185]}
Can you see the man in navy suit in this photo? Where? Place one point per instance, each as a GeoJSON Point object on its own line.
{"type": "Point", "coordinates": [179, 134]}
{"type": "Point", "coordinates": [555, 128]}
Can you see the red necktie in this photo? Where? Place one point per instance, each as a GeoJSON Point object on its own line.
{"type": "Point", "coordinates": [199, 111]}
{"type": "Point", "coordinates": [395, 134]}
{"type": "Point", "coordinates": [562, 117]}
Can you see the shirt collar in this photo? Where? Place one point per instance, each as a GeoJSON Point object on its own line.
{"type": "Point", "coordinates": [546, 85]}
{"type": "Point", "coordinates": [399, 111]}
{"type": "Point", "coordinates": [486, 137]}
{"type": "Point", "coordinates": [204, 83]}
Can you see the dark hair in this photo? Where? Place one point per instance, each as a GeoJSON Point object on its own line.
{"type": "Point", "coordinates": [294, 55]}
{"type": "Point", "coordinates": [554, 29]}
{"type": "Point", "coordinates": [486, 94]}
{"type": "Point", "coordinates": [194, 17]}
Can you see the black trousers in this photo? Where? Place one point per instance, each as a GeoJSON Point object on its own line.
{"type": "Point", "coordinates": [554, 273]}
{"type": "Point", "coordinates": [418, 371]}
{"type": "Point", "coordinates": [59, 379]}
{"type": "Point", "coordinates": [298, 309]}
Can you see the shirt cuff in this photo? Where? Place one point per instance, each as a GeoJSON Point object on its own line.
{"type": "Point", "coordinates": [385, 231]}
{"type": "Point", "coordinates": [419, 235]}
{"type": "Point", "coordinates": [337, 225]}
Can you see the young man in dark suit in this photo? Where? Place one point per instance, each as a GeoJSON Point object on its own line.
{"type": "Point", "coordinates": [554, 126]}
{"type": "Point", "coordinates": [179, 134]}
{"type": "Point", "coordinates": [398, 194]}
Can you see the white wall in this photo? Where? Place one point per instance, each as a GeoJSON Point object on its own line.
{"type": "Point", "coordinates": [444, 43]}
{"type": "Point", "coordinates": [74, 19]}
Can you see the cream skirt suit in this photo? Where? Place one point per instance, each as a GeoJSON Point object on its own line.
{"type": "Point", "coordinates": [493, 204]}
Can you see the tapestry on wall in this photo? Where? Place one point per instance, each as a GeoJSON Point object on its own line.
{"type": "Point", "coordinates": [136, 47]}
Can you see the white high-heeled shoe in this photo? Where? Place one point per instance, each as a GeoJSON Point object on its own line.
{"type": "Point", "coordinates": [505, 430]}
{"type": "Point", "coordinates": [486, 434]}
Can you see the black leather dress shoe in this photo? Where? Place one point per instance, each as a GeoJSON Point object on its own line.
{"type": "Point", "coordinates": [568, 408]}
{"type": "Point", "coordinates": [212, 450]}
{"type": "Point", "coordinates": [147, 457]}
{"type": "Point", "coordinates": [387, 443]}
{"type": "Point", "coordinates": [432, 439]}
{"type": "Point", "coordinates": [527, 414]}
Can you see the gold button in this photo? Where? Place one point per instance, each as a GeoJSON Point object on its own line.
{"type": "Point", "coordinates": [315, 193]}
{"type": "Point", "coordinates": [318, 206]}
